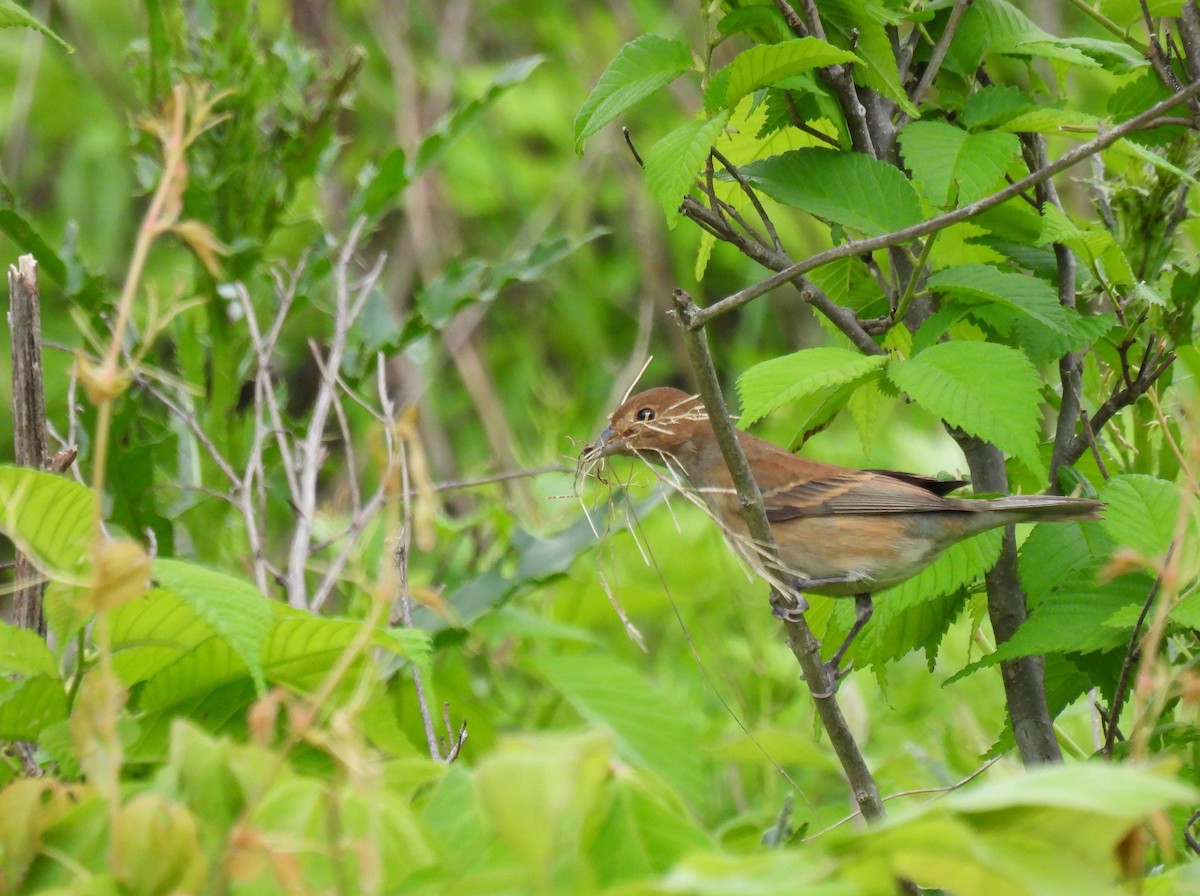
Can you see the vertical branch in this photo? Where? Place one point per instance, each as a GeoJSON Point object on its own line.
{"type": "Point", "coordinates": [29, 419]}
{"type": "Point", "coordinates": [1070, 365]}
{"type": "Point", "coordinates": [1024, 677]}
{"type": "Point", "coordinates": [310, 454]}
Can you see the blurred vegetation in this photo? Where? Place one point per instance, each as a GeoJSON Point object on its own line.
{"type": "Point", "coordinates": [421, 157]}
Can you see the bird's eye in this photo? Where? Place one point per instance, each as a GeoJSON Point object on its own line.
{"type": "Point", "coordinates": [645, 414]}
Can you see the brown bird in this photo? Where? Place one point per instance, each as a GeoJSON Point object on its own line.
{"type": "Point", "coordinates": [840, 532]}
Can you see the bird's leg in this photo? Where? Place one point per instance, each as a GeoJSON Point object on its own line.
{"type": "Point", "coordinates": [863, 608]}
{"type": "Point", "coordinates": [791, 610]}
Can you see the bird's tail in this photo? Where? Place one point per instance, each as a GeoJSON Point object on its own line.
{"type": "Point", "coordinates": [1047, 508]}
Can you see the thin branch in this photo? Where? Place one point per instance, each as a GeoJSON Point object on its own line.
{"type": "Point", "coordinates": [753, 196]}
{"type": "Point", "coordinates": [801, 640]}
{"type": "Point", "coordinates": [1153, 367]}
{"type": "Point", "coordinates": [311, 452]}
{"type": "Point", "coordinates": [936, 57]}
{"type": "Point", "coordinates": [1132, 652]}
{"type": "Point", "coordinates": [871, 244]}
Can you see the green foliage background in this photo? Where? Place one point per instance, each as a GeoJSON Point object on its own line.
{"type": "Point", "coordinates": [206, 737]}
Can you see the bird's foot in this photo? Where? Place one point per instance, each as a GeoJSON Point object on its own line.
{"type": "Point", "coordinates": [834, 675]}
{"type": "Point", "coordinates": [788, 607]}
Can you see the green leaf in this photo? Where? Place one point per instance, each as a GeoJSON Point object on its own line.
{"type": "Point", "coordinates": [1142, 512]}
{"type": "Point", "coordinates": [49, 518]}
{"type": "Point", "coordinates": [20, 229]}
{"type": "Point", "coordinates": [647, 724]}
{"type": "Point", "coordinates": [1055, 829]}
{"type": "Point", "coordinates": [755, 18]}
{"type": "Point", "coordinates": [1097, 247]}
{"type": "Point", "coordinates": [29, 705]}
{"type": "Point", "coordinates": [381, 187]}
{"type": "Point", "coordinates": [916, 613]}
{"type": "Point", "coordinates": [674, 161]}
{"type": "Point", "coordinates": [953, 166]}
{"type": "Point", "coordinates": [1103, 788]}
{"type": "Point", "coordinates": [458, 120]}
{"type": "Point", "coordinates": [990, 391]}
{"type": "Point", "coordinates": [646, 830]}
{"type": "Point", "coordinates": [770, 385]}
{"type": "Point", "coordinates": [13, 16]}
{"type": "Point", "coordinates": [994, 105]}
{"type": "Point", "coordinates": [641, 67]}
{"type": "Point", "coordinates": [766, 64]}
{"type": "Point", "coordinates": [239, 613]}
{"type": "Point", "coordinates": [1029, 296]}
{"type": "Point", "coordinates": [1064, 623]}
{"type": "Point", "coordinates": [869, 25]}
{"type": "Point", "coordinates": [996, 26]}
{"type": "Point", "coordinates": [538, 790]}
{"type": "Point", "coordinates": [22, 652]}
{"type": "Point", "coordinates": [847, 188]}
{"type": "Point", "coordinates": [152, 632]}
{"type": "Point", "coordinates": [1052, 120]}
{"type": "Point", "coordinates": [1115, 56]}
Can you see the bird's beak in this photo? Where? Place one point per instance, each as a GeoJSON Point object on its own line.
{"type": "Point", "coordinates": [606, 443]}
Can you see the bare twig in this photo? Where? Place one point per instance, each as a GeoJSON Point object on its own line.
{"type": "Point", "coordinates": [1154, 365]}
{"type": "Point", "coordinates": [936, 56]}
{"type": "Point", "coordinates": [310, 454]}
{"type": "Point", "coordinates": [362, 513]}
{"type": "Point", "coordinates": [1132, 654]}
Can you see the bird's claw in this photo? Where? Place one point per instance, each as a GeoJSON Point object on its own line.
{"type": "Point", "coordinates": [834, 675]}
{"type": "Point", "coordinates": [788, 610]}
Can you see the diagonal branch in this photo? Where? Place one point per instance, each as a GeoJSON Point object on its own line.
{"type": "Point", "coordinates": [801, 640]}
{"type": "Point", "coordinates": [871, 244]}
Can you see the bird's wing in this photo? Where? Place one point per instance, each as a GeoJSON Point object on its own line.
{"type": "Point", "coordinates": [854, 492]}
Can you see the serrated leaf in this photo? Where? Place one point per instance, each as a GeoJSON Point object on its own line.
{"type": "Point", "coordinates": [13, 16]}
{"type": "Point", "coordinates": [996, 26]}
{"type": "Point", "coordinates": [673, 163]}
{"type": "Point", "coordinates": [994, 105]}
{"type": "Point", "coordinates": [766, 64]}
{"type": "Point", "coordinates": [874, 46]}
{"type": "Point", "coordinates": [1052, 120]}
{"type": "Point", "coordinates": [49, 518]}
{"type": "Point", "coordinates": [914, 613]}
{"type": "Point", "coordinates": [990, 391]}
{"type": "Point", "coordinates": [952, 165]}
{"type": "Point", "coordinates": [641, 67]}
{"type": "Point", "coordinates": [23, 652]}
{"type": "Point", "coordinates": [847, 188]}
{"type": "Point", "coordinates": [754, 18]}
{"type": "Point", "coordinates": [1115, 56]}
{"type": "Point", "coordinates": [1065, 624]}
{"type": "Point", "coordinates": [239, 613]}
{"type": "Point", "coordinates": [743, 141]}
{"type": "Point", "coordinates": [1153, 158]}
{"type": "Point", "coordinates": [1142, 512]}
{"type": "Point", "coordinates": [1029, 296]}
{"type": "Point", "coordinates": [770, 385]}
{"type": "Point", "coordinates": [1095, 246]}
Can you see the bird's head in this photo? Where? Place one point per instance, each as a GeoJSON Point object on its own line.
{"type": "Point", "coordinates": [655, 424]}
